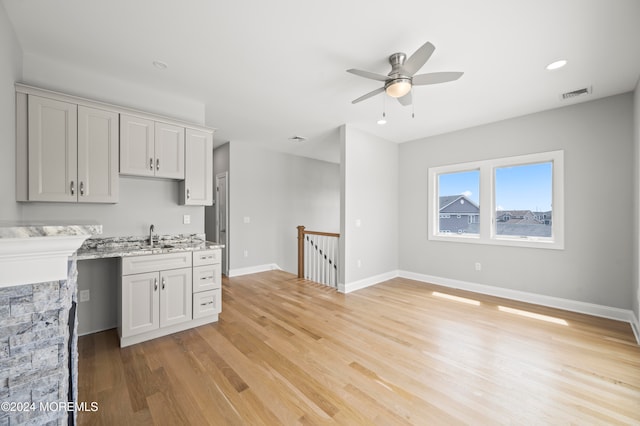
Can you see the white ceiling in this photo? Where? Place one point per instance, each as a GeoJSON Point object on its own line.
{"type": "Point", "coordinates": [268, 70]}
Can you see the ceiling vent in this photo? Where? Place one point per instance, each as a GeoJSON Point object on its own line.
{"type": "Point", "coordinates": [576, 93]}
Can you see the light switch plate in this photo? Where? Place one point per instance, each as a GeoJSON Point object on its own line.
{"type": "Point", "coordinates": [186, 219]}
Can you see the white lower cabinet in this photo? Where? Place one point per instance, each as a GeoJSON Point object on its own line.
{"type": "Point", "coordinates": [207, 283]}
{"type": "Point", "coordinates": [162, 294]}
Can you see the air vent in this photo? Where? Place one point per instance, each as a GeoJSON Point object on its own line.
{"type": "Point", "coordinates": [576, 93]}
{"type": "Point", "coordinates": [297, 138]}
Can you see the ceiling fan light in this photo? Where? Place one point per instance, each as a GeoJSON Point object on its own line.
{"type": "Point", "coordinates": [398, 88]}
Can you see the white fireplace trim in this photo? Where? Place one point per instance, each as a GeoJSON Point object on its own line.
{"type": "Point", "coordinates": [36, 259]}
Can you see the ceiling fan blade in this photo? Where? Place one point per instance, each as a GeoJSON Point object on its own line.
{"type": "Point", "coordinates": [368, 95]}
{"type": "Point", "coordinates": [406, 99]}
{"type": "Point", "coordinates": [367, 74]}
{"type": "Point", "coordinates": [435, 78]}
{"type": "Point", "coordinates": [418, 59]}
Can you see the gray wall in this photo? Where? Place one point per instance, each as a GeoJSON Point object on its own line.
{"type": "Point", "coordinates": [101, 278]}
{"type": "Point", "coordinates": [10, 72]}
{"type": "Point", "coordinates": [596, 265]}
{"type": "Point", "coordinates": [369, 169]}
{"type": "Point", "coordinates": [277, 192]}
{"type": "Point", "coordinates": [142, 202]}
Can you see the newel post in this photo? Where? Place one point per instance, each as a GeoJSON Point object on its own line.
{"type": "Point", "coordinates": [301, 251]}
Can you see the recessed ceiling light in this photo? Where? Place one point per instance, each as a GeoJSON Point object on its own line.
{"type": "Point", "coordinates": [557, 64]}
{"type": "Point", "coordinates": [160, 65]}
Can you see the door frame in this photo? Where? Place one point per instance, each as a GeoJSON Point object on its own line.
{"type": "Point", "coordinates": [225, 250]}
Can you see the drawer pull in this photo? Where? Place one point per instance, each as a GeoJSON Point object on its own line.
{"type": "Point", "coordinates": [207, 278]}
{"type": "Point", "coordinates": [207, 303]}
{"type": "Point", "coordinates": [206, 257]}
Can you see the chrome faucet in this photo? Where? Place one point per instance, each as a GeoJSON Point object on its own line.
{"type": "Point", "coordinates": [151, 229]}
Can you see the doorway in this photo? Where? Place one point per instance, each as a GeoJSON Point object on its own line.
{"type": "Point", "coordinates": [222, 217]}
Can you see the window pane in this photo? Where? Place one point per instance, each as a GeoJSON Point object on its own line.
{"type": "Point", "coordinates": [459, 207]}
{"type": "Point", "coordinates": [523, 200]}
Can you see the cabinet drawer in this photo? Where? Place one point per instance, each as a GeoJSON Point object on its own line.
{"type": "Point", "coordinates": [207, 303]}
{"type": "Point", "coordinates": [155, 262]}
{"type": "Point", "coordinates": [206, 277]}
{"type": "Point", "coordinates": [206, 257]}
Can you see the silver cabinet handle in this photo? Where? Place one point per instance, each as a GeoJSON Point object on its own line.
{"type": "Point", "coordinates": [150, 163]}
{"type": "Point", "coordinates": [81, 189]}
{"type": "Point", "coordinates": [207, 303]}
{"type": "Point", "coordinates": [206, 257]}
{"type": "Point", "coordinates": [188, 193]}
{"type": "Point", "coordinates": [163, 283]}
{"type": "Point", "coordinates": [157, 164]}
{"type": "Point", "coordinates": [72, 188]}
{"type": "Point", "coordinates": [207, 278]}
{"type": "Point", "coordinates": [155, 284]}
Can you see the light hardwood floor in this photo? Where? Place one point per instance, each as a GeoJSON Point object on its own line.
{"type": "Point", "coordinates": [288, 351]}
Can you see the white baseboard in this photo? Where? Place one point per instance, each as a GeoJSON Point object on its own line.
{"type": "Point", "coordinates": [357, 285]}
{"type": "Point", "coordinates": [635, 326]}
{"type": "Point", "coordinates": [252, 270]}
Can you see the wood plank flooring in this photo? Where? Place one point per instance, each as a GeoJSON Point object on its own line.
{"type": "Point", "coordinates": [289, 351]}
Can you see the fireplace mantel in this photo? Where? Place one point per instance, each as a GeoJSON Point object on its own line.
{"type": "Point", "coordinates": [38, 252]}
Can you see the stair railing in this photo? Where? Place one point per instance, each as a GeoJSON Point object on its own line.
{"type": "Point", "coordinates": [317, 256]}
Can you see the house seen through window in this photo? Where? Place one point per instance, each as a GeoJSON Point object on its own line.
{"type": "Point", "coordinates": [508, 201]}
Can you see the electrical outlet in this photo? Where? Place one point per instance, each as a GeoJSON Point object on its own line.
{"type": "Point", "coordinates": [85, 295]}
{"type": "Point", "coordinates": [359, 263]}
{"type": "Point", "coordinates": [246, 253]}
{"type": "Point", "coordinates": [186, 219]}
{"type": "Point", "coordinates": [478, 266]}
{"type": "Point", "coordinates": [247, 219]}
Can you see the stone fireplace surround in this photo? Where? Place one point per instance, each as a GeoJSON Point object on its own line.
{"type": "Point", "coordinates": [38, 338]}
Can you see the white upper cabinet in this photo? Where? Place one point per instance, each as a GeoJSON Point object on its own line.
{"type": "Point", "coordinates": [97, 155]}
{"type": "Point", "coordinates": [137, 152]}
{"type": "Point", "coordinates": [72, 149]}
{"type": "Point", "coordinates": [150, 148]}
{"type": "Point", "coordinates": [72, 152]}
{"type": "Point", "coordinates": [197, 188]}
{"type": "Point", "coordinates": [169, 151]}
{"type": "Point", "coordinates": [53, 141]}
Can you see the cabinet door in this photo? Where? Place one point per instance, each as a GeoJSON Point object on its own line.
{"type": "Point", "coordinates": [197, 188]}
{"type": "Point", "coordinates": [175, 296]}
{"type": "Point", "coordinates": [137, 153]}
{"type": "Point", "coordinates": [53, 150]}
{"type": "Point", "coordinates": [140, 303]}
{"type": "Point", "coordinates": [97, 155]}
{"type": "Point", "coordinates": [169, 148]}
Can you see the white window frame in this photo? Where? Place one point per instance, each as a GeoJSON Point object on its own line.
{"type": "Point", "coordinates": [487, 234]}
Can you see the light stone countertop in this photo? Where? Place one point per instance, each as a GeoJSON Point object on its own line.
{"type": "Point", "coordinates": [29, 229]}
{"type": "Point", "coordinates": [100, 248]}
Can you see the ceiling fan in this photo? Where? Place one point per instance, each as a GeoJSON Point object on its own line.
{"type": "Point", "coordinates": [401, 79]}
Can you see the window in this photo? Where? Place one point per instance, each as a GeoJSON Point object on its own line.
{"type": "Point", "coordinates": [516, 201]}
{"type": "Point", "coordinates": [458, 202]}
